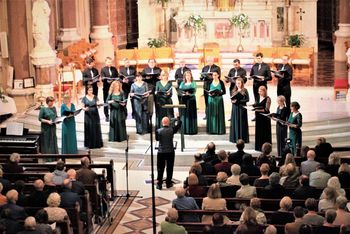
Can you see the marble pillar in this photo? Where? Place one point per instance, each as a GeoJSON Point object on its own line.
{"type": "Point", "coordinates": [68, 21]}
{"type": "Point", "coordinates": [343, 33]}
{"type": "Point", "coordinates": [100, 30]}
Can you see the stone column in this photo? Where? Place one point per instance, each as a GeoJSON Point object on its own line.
{"type": "Point", "coordinates": [100, 32]}
{"type": "Point", "coordinates": [343, 33]}
{"type": "Point", "coordinates": [68, 23]}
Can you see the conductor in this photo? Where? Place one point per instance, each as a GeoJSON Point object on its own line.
{"type": "Point", "coordinates": [166, 152]}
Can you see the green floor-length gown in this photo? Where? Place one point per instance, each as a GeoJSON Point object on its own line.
{"type": "Point", "coordinates": [69, 133]}
{"type": "Point", "coordinates": [117, 126]}
{"type": "Point", "coordinates": [295, 134]}
{"type": "Point", "coordinates": [162, 99]}
{"type": "Point", "coordinates": [189, 114]}
{"type": "Point", "coordinates": [216, 111]}
{"type": "Point", "coordinates": [48, 138]}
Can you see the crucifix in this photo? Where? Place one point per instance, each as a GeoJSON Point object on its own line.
{"type": "Point", "coordinates": [301, 12]}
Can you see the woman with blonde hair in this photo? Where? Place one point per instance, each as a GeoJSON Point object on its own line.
{"type": "Point", "coordinates": [249, 223]}
{"type": "Point", "coordinates": [282, 113]}
{"type": "Point", "coordinates": [117, 103]}
{"type": "Point", "coordinates": [333, 164]}
{"type": "Point", "coordinates": [289, 159]}
{"type": "Point", "coordinates": [334, 183]}
{"type": "Point", "coordinates": [163, 92]}
{"type": "Point", "coordinates": [69, 133]}
{"type": "Point", "coordinates": [213, 201]}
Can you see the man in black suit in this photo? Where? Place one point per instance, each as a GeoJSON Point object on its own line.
{"type": "Point", "coordinates": [38, 198]}
{"type": "Point", "coordinates": [85, 174]}
{"type": "Point", "coordinates": [69, 198]}
{"type": "Point", "coordinates": [179, 73]}
{"type": "Point", "coordinates": [260, 69]}
{"type": "Point", "coordinates": [128, 74]}
{"type": "Point", "coordinates": [151, 74]}
{"type": "Point", "coordinates": [237, 157]}
{"type": "Point", "coordinates": [286, 75]}
{"type": "Point", "coordinates": [209, 69]}
{"type": "Point", "coordinates": [108, 71]}
{"type": "Point", "coordinates": [237, 71]}
{"type": "Point", "coordinates": [89, 74]}
{"type": "Point", "coordinates": [77, 186]}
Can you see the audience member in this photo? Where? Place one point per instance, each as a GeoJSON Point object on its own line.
{"type": "Point", "coordinates": [207, 168]}
{"type": "Point", "coordinates": [263, 180]}
{"type": "Point", "coordinates": [77, 186]}
{"type": "Point", "coordinates": [213, 201]}
{"type": "Point", "coordinates": [54, 212]}
{"type": "Point", "coordinates": [221, 179]}
{"type": "Point", "coordinates": [69, 199]}
{"type": "Point", "coordinates": [50, 186]}
{"type": "Point", "coordinates": [237, 157]}
{"type": "Point", "coordinates": [185, 203]}
{"type": "Point", "coordinates": [345, 229]}
{"type": "Point", "coordinates": [42, 220]}
{"type": "Point", "coordinates": [344, 175]}
{"type": "Point", "coordinates": [224, 165]}
{"type": "Point", "coordinates": [319, 178]}
{"type": "Point", "coordinates": [291, 180]}
{"type": "Point", "coordinates": [218, 225]}
{"type": "Point", "coordinates": [293, 228]}
{"type": "Point", "coordinates": [246, 190]}
{"type": "Point", "coordinates": [12, 166]}
{"type": "Point", "coordinates": [30, 226]}
{"type": "Point", "coordinates": [305, 229]}
{"type": "Point", "coordinates": [303, 151]}
{"type": "Point", "coordinates": [169, 226]}
{"type": "Point", "coordinates": [328, 200]}
{"type": "Point", "coordinates": [85, 174]}
{"type": "Point", "coordinates": [194, 189]}
{"type": "Point", "coordinates": [289, 159]}
{"type": "Point", "coordinates": [22, 198]}
{"type": "Point", "coordinates": [248, 166]}
{"type": "Point", "coordinates": [310, 164]}
{"type": "Point", "coordinates": [5, 183]}
{"type": "Point", "coordinates": [210, 155]}
{"type": "Point", "coordinates": [270, 230]}
{"type": "Point", "coordinates": [343, 217]}
{"type": "Point", "coordinates": [333, 164]}
{"type": "Point", "coordinates": [17, 212]}
{"type": "Point", "coordinates": [330, 217]}
{"type": "Point", "coordinates": [265, 157]}
{"type": "Point", "coordinates": [328, 226]}
{"type": "Point", "coordinates": [304, 190]}
{"type": "Point", "coordinates": [274, 189]}
{"type": "Point", "coordinates": [197, 170]}
{"type": "Point", "coordinates": [3, 199]}
{"type": "Point", "coordinates": [234, 178]}
{"type": "Point", "coordinates": [334, 183]}
{"type": "Point", "coordinates": [283, 215]}
{"type": "Point", "coordinates": [10, 225]}
{"type": "Point", "coordinates": [59, 175]}
{"type": "Point", "coordinates": [255, 204]}
{"type": "Point", "coordinates": [323, 149]}
{"type": "Point", "coordinates": [311, 217]}
{"type": "Point", "coordinates": [249, 223]}
{"type": "Point", "coordinates": [38, 197]}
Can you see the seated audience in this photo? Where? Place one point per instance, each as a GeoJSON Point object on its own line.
{"type": "Point", "coordinates": [213, 201]}
{"type": "Point", "coordinates": [265, 157]}
{"type": "Point", "coordinates": [185, 203]}
{"type": "Point", "coordinates": [169, 226]}
{"type": "Point", "coordinates": [255, 204]}
{"type": "Point", "coordinates": [283, 215]}
{"type": "Point", "coordinates": [22, 198]}
{"type": "Point", "coordinates": [289, 159]}
{"type": "Point", "coordinates": [334, 183]}
{"type": "Point", "coordinates": [59, 175]}
{"type": "Point", "coordinates": [207, 168]}
{"type": "Point", "coordinates": [221, 179]}
{"type": "Point", "coordinates": [328, 226]}
{"type": "Point", "coordinates": [234, 178]}
{"type": "Point", "coordinates": [77, 186]}
{"type": "Point", "coordinates": [344, 175]}
{"type": "Point", "coordinates": [210, 156]}
{"type": "Point", "coordinates": [293, 228]}
{"type": "Point", "coordinates": [333, 164]}
{"type": "Point", "coordinates": [249, 223]}
{"type": "Point", "coordinates": [196, 169]}
{"type": "Point", "coordinates": [3, 199]}
{"type": "Point", "coordinates": [248, 166]}
{"type": "Point", "coordinates": [343, 216]}
{"type": "Point", "coordinates": [274, 189]}
{"type": "Point", "coordinates": [310, 165]}
{"type": "Point", "coordinates": [194, 189]}
{"type": "Point", "coordinates": [218, 225]}
{"type": "Point", "coordinates": [12, 166]}
{"type": "Point", "coordinates": [224, 165]}
{"type": "Point", "coordinates": [42, 220]}
{"type": "Point", "coordinates": [263, 180]}
{"type": "Point", "coordinates": [246, 190]}
{"type": "Point", "coordinates": [69, 199]}
{"type": "Point", "coordinates": [50, 186]}
{"type": "Point", "coordinates": [237, 157]}
{"type": "Point", "coordinates": [85, 174]}
{"type": "Point", "coordinates": [323, 149]}
{"type": "Point", "coordinates": [30, 226]}
{"type": "Point", "coordinates": [305, 229]}
{"type": "Point", "coordinates": [270, 230]}
{"type": "Point", "coordinates": [304, 190]}
{"type": "Point", "coordinates": [11, 225]}
{"type": "Point", "coordinates": [54, 212]}
{"type": "Point", "coordinates": [328, 200]}
{"type": "Point", "coordinates": [17, 212]}
{"type": "Point", "coordinates": [311, 217]}
{"type": "Point", "coordinates": [303, 151]}
{"type": "Point", "coordinates": [345, 229]}
{"type": "Point", "coordinates": [5, 183]}
{"type": "Point", "coordinates": [38, 197]}
{"type": "Point", "coordinates": [319, 178]}
{"type": "Point", "coordinates": [291, 180]}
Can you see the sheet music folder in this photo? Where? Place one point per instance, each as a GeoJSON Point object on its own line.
{"type": "Point", "coordinates": [15, 129]}
{"type": "Point", "coordinates": [67, 113]}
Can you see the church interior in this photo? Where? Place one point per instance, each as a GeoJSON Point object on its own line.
{"type": "Point", "coordinates": [45, 46]}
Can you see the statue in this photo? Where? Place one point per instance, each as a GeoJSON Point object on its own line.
{"type": "Point", "coordinates": [173, 26]}
{"type": "Point", "coordinates": [41, 29]}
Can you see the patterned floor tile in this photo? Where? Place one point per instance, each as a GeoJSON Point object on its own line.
{"type": "Point", "coordinates": [146, 212]}
{"type": "Point", "coordinates": [148, 201]}
{"type": "Point", "coordinates": [138, 225]}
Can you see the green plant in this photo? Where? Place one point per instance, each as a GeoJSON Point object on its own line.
{"type": "Point", "coordinates": [156, 42]}
{"type": "Point", "coordinates": [195, 22]}
{"type": "Point", "coordinates": [296, 40]}
{"type": "Point", "coordinates": [241, 21]}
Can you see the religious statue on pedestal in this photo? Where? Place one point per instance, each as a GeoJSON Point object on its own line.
{"type": "Point", "coordinates": [41, 30]}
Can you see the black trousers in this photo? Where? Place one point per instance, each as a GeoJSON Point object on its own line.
{"type": "Point", "coordinates": [105, 96]}
{"type": "Point", "coordinates": [168, 160]}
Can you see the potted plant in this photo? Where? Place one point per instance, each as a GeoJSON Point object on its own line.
{"type": "Point", "coordinates": [197, 24]}
{"type": "Point", "coordinates": [2, 96]}
{"type": "Point", "coordinates": [156, 42]}
{"type": "Point", "coordinates": [240, 21]}
{"type": "Point", "coordinates": [296, 40]}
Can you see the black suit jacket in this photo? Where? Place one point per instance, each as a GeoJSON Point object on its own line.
{"type": "Point", "coordinates": [132, 72]}
{"type": "Point", "coordinates": [78, 187]}
{"type": "Point", "coordinates": [236, 157]}
{"type": "Point", "coordinates": [38, 199]}
{"type": "Point", "coordinates": [179, 74]}
{"type": "Point", "coordinates": [240, 72]}
{"type": "Point", "coordinates": [87, 74]}
{"type": "Point", "coordinates": [17, 212]}
{"type": "Point", "coordinates": [264, 71]}
{"type": "Point", "coordinates": [283, 86]}
{"type": "Point", "coordinates": [105, 73]}
{"type": "Point", "coordinates": [213, 68]}
{"type": "Point", "coordinates": [69, 198]}
{"type": "Point", "coordinates": [153, 79]}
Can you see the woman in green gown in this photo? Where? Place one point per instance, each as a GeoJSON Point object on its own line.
{"type": "Point", "coordinates": [69, 136]}
{"type": "Point", "coordinates": [117, 103]}
{"type": "Point", "coordinates": [216, 111]}
{"type": "Point", "coordinates": [48, 138]}
{"type": "Point", "coordinates": [187, 92]}
{"type": "Point", "coordinates": [239, 116]}
{"type": "Point", "coordinates": [163, 96]}
{"type": "Point", "coordinates": [295, 121]}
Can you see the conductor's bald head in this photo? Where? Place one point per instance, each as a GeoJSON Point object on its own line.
{"type": "Point", "coordinates": [165, 121]}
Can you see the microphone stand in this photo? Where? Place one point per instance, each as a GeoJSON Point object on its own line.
{"type": "Point", "coordinates": [152, 178]}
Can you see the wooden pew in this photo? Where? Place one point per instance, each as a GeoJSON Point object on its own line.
{"type": "Point", "coordinates": [37, 157]}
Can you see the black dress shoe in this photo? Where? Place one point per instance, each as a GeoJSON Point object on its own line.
{"type": "Point", "coordinates": [169, 185]}
{"type": "Point", "coordinates": [158, 187]}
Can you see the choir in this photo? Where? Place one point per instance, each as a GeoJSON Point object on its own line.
{"type": "Point", "coordinates": [152, 85]}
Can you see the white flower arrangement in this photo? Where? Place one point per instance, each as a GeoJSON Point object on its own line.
{"type": "Point", "coordinates": [241, 21]}
{"type": "Point", "coordinates": [195, 22]}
